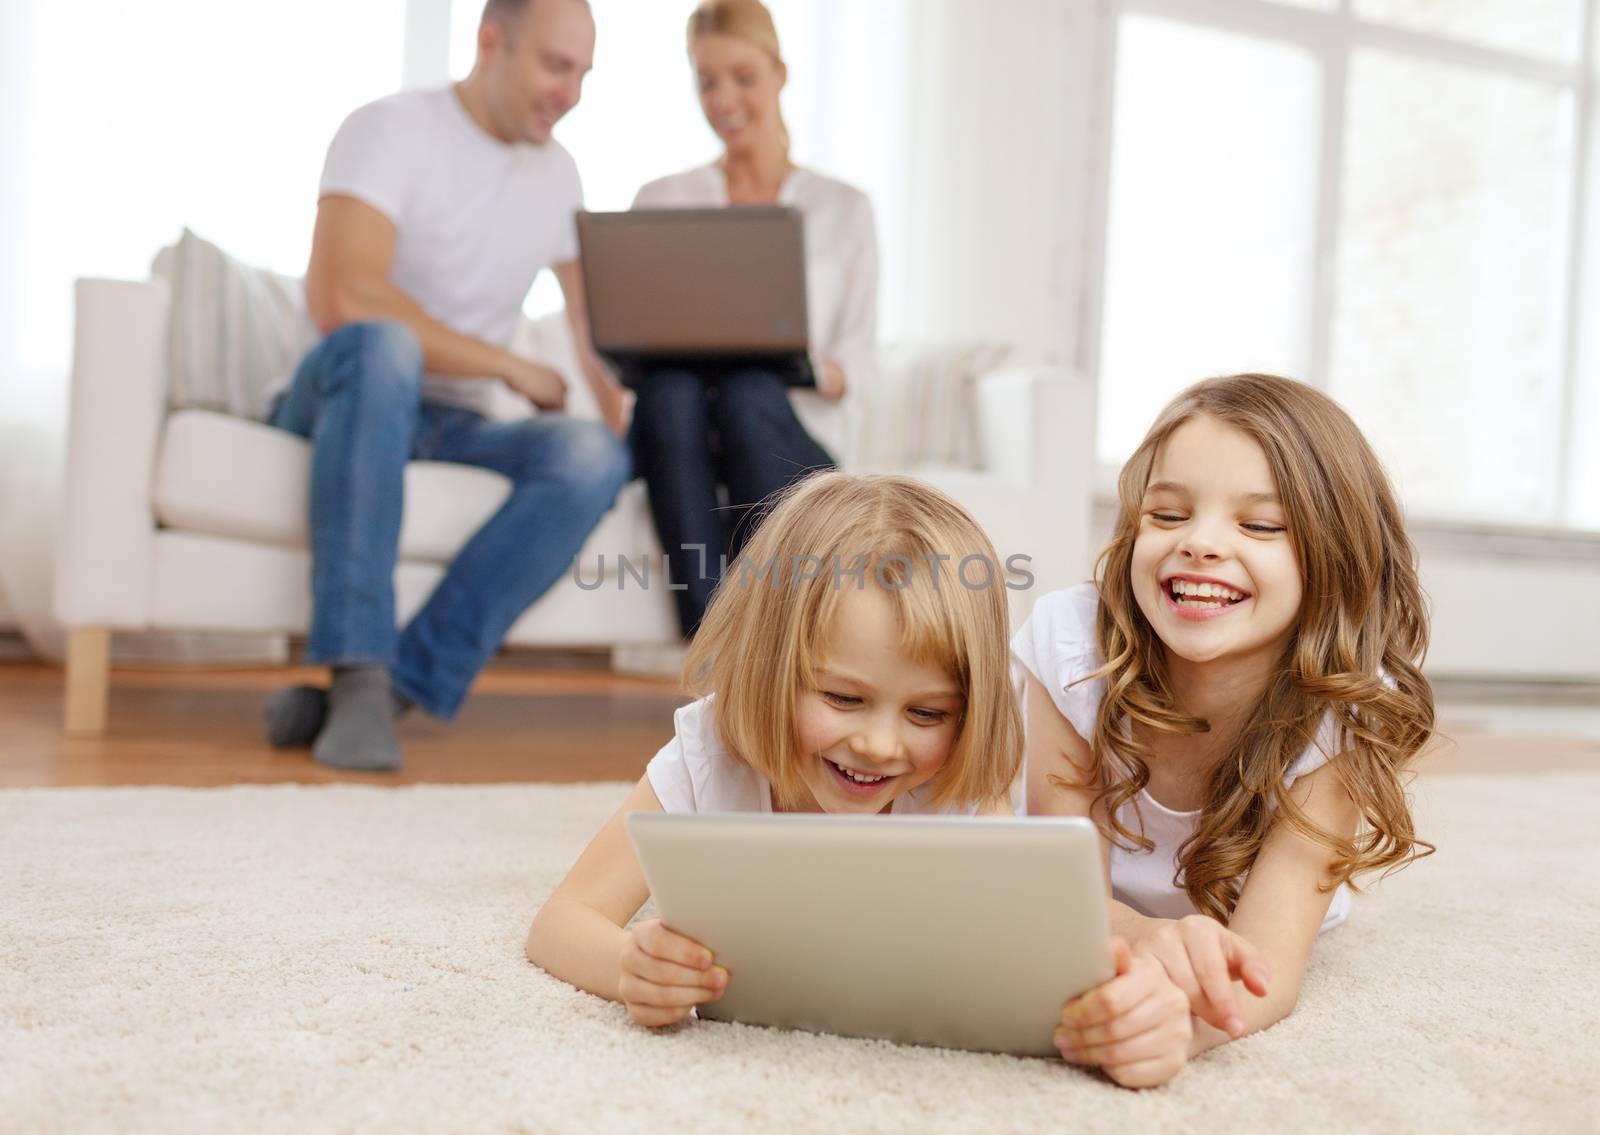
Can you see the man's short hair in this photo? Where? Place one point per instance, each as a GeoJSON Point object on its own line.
{"type": "Point", "coordinates": [504, 12]}
{"type": "Point", "coordinates": [508, 12]}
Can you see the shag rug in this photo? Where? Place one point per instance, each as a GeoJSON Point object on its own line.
{"type": "Point", "coordinates": [350, 959]}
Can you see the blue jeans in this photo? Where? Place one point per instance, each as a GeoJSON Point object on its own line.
{"type": "Point", "coordinates": [358, 397]}
{"type": "Point", "coordinates": [689, 435]}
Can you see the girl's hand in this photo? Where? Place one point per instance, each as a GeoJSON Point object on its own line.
{"type": "Point", "coordinates": [665, 975]}
{"type": "Point", "coordinates": [1135, 1027]}
{"type": "Point", "coordinates": [1204, 958]}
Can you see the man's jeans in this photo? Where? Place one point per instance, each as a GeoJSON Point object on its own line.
{"type": "Point", "coordinates": [358, 397]}
{"type": "Point", "coordinates": [687, 436]}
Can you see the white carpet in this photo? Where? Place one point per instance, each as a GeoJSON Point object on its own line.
{"type": "Point", "coordinates": [344, 958]}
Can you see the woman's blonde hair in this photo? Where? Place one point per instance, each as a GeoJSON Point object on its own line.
{"type": "Point", "coordinates": [764, 633]}
{"type": "Point", "coordinates": [1362, 616]}
{"type": "Point", "coordinates": [748, 20]}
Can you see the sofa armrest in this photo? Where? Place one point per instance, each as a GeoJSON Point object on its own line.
{"type": "Point", "coordinates": [1036, 429]}
{"type": "Point", "coordinates": [1036, 425]}
{"type": "Point", "coordinates": [118, 404]}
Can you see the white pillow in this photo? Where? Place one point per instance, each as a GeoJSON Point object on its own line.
{"type": "Point", "coordinates": [236, 331]}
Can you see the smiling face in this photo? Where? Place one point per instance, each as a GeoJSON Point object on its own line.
{"type": "Point", "coordinates": [1213, 567]}
{"type": "Point", "coordinates": [878, 724]}
{"type": "Point", "coordinates": [739, 85]}
{"type": "Point", "coordinates": [534, 66]}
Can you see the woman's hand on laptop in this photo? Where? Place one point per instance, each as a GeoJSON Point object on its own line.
{"type": "Point", "coordinates": [1204, 958]}
{"type": "Point", "coordinates": [1136, 1027]}
{"type": "Point", "coordinates": [830, 380]}
{"type": "Point", "coordinates": [665, 975]}
{"type": "Point", "coordinates": [539, 384]}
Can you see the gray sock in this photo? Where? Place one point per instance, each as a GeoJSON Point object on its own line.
{"type": "Point", "coordinates": [295, 715]}
{"type": "Point", "coordinates": [359, 733]}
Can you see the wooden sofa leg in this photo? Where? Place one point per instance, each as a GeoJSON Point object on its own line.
{"type": "Point", "coordinates": [88, 680]}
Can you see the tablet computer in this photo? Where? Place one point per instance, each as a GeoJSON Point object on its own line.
{"type": "Point", "coordinates": [715, 289]}
{"type": "Point", "coordinates": [961, 932]}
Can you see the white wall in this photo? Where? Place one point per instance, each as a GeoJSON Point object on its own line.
{"type": "Point", "coordinates": [997, 187]}
{"type": "Point", "coordinates": [1512, 606]}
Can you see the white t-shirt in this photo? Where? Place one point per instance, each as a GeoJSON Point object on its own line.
{"type": "Point", "coordinates": [475, 218]}
{"type": "Point", "coordinates": [1057, 646]}
{"type": "Point", "coordinates": [694, 772]}
{"type": "Point", "coordinates": [841, 281]}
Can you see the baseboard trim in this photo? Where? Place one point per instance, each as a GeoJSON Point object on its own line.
{"type": "Point", "coordinates": [1494, 688]}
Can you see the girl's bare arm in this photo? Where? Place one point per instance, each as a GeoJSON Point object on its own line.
{"type": "Point", "coordinates": [1282, 906]}
{"type": "Point", "coordinates": [1056, 756]}
{"type": "Point", "coordinates": [578, 934]}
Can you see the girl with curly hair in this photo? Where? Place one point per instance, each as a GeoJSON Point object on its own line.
{"type": "Point", "coordinates": [1234, 701]}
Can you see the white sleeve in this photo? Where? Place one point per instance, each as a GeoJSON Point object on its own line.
{"type": "Point", "coordinates": [571, 200]}
{"type": "Point", "coordinates": [370, 159]}
{"type": "Point", "coordinates": [646, 198]}
{"type": "Point", "coordinates": [1321, 750]}
{"type": "Point", "coordinates": [855, 342]}
{"type": "Point", "coordinates": [669, 776]}
{"type": "Point", "coordinates": [1057, 647]}
{"type": "Point", "coordinates": [657, 194]}
{"type": "Point", "coordinates": [1327, 744]}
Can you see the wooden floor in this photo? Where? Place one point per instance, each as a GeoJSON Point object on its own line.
{"type": "Point", "coordinates": [203, 728]}
{"type": "Point", "coordinates": [523, 723]}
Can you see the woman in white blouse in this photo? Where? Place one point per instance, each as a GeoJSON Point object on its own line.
{"type": "Point", "coordinates": [748, 431]}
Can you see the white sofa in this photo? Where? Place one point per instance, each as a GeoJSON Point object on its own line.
{"type": "Point", "coordinates": [190, 520]}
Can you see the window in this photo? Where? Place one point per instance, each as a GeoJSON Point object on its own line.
{"type": "Point", "coordinates": [1383, 197]}
{"type": "Point", "coordinates": [1533, 27]}
{"type": "Point", "coordinates": [1453, 239]}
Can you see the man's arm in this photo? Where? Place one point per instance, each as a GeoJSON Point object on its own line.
{"type": "Point", "coordinates": [608, 394]}
{"type": "Point", "coordinates": [352, 251]}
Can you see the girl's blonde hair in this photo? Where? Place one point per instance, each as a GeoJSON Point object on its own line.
{"type": "Point", "coordinates": [1362, 615]}
{"type": "Point", "coordinates": [748, 20]}
{"type": "Point", "coordinates": [764, 633]}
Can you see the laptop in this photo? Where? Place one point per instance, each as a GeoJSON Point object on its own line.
{"type": "Point", "coordinates": [720, 288]}
{"type": "Point", "coordinates": [959, 932]}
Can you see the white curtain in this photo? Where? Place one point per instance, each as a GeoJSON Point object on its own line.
{"type": "Point", "coordinates": [32, 396]}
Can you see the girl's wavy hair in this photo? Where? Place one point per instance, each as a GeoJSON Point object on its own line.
{"type": "Point", "coordinates": [1362, 616]}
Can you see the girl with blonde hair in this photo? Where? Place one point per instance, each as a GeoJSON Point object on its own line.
{"type": "Point", "coordinates": [707, 426]}
{"type": "Point", "coordinates": [1234, 702]}
{"type": "Point", "coordinates": [846, 665]}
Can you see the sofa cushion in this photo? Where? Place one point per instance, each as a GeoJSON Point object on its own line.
{"type": "Point", "coordinates": [212, 583]}
{"type": "Point", "coordinates": [226, 476]}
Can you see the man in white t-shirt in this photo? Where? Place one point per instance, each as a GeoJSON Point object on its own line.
{"type": "Point", "coordinates": [436, 211]}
